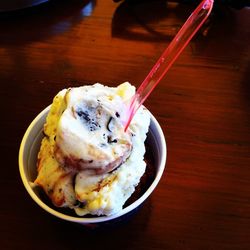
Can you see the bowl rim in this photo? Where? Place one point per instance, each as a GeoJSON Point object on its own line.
{"type": "Point", "coordinates": [82, 220]}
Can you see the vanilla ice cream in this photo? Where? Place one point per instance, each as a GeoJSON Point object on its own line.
{"type": "Point", "coordinates": [87, 161]}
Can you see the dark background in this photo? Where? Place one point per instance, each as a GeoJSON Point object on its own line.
{"type": "Point", "coordinates": [203, 106]}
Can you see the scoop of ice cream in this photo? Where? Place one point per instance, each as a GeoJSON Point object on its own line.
{"type": "Point", "coordinates": [92, 189]}
{"type": "Point", "coordinates": [90, 132]}
{"type": "Point", "coordinates": [107, 193]}
{"type": "Point", "coordinates": [55, 181]}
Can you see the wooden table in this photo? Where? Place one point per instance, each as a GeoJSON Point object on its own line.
{"type": "Point", "coordinates": [203, 106]}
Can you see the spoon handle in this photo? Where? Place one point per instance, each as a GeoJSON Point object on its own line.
{"type": "Point", "coordinates": [180, 41]}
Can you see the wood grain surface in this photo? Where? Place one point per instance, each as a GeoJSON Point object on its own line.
{"type": "Point", "coordinates": [203, 106]}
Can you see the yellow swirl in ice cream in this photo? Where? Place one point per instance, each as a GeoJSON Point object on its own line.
{"type": "Point", "coordinates": [86, 160]}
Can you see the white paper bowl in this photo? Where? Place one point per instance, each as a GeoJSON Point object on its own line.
{"type": "Point", "coordinates": [27, 166]}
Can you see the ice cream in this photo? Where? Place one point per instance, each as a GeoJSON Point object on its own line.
{"type": "Point", "coordinates": [90, 133]}
{"type": "Point", "coordinates": [87, 161]}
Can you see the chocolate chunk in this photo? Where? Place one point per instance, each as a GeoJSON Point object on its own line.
{"type": "Point", "coordinates": [83, 115]}
{"type": "Point", "coordinates": [89, 118]}
{"type": "Point", "coordinates": [109, 127]}
{"type": "Point", "coordinates": [110, 140]}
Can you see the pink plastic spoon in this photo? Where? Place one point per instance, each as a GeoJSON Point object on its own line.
{"type": "Point", "coordinates": [180, 41]}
